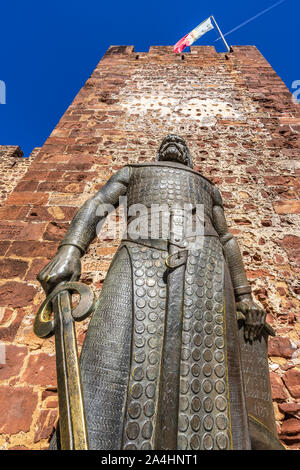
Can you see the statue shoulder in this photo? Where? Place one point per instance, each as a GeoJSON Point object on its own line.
{"type": "Point", "coordinates": [122, 175]}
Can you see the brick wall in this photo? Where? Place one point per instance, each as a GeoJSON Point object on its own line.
{"type": "Point", "coordinates": [243, 131]}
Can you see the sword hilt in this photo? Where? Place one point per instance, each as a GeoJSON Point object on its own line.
{"type": "Point", "coordinates": [44, 324]}
{"type": "Point", "coordinates": [56, 315]}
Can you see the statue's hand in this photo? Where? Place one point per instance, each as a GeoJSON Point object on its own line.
{"type": "Point", "coordinates": [65, 266]}
{"type": "Point", "coordinates": [255, 317]}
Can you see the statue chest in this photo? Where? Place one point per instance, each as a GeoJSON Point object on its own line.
{"type": "Point", "coordinates": [160, 185]}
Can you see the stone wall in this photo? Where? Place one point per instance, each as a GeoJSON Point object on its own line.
{"type": "Point", "coordinates": [243, 130]}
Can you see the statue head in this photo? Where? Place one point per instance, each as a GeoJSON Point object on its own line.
{"type": "Point", "coordinates": [174, 149]}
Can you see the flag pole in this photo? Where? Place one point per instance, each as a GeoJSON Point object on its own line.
{"type": "Point", "coordinates": [221, 34]}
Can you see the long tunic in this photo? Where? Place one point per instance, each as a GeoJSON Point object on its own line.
{"type": "Point", "coordinates": [122, 357]}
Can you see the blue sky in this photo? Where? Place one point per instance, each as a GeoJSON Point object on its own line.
{"type": "Point", "coordinates": [50, 48]}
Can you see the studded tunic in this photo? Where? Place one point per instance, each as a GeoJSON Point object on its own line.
{"type": "Point", "coordinates": [122, 355]}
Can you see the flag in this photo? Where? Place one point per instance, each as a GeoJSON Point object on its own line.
{"type": "Point", "coordinates": [190, 38]}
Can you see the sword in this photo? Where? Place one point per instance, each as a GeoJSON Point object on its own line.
{"type": "Point", "coordinates": [56, 316]}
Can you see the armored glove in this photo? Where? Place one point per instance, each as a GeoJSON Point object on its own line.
{"type": "Point", "coordinates": [65, 266]}
{"type": "Point", "coordinates": [255, 317]}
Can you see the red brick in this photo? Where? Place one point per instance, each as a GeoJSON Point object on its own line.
{"type": "Point", "coordinates": [293, 442]}
{"type": "Point", "coordinates": [243, 221]}
{"type": "Point", "coordinates": [17, 405]}
{"type": "Point", "coordinates": [292, 382]}
{"type": "Point", "coordinates": [290, 426]}
{"type": "Point", "coordinates": [291, 243]}
{"type": "Point", "coordinates": [36, 266]}
{"type": "Point", "coordinates": [52, 148]}
{"type": "Point", "coordinates": [44, 167]}
{"type": "Point", "coordinates": [280, 347]}
{"type": "Point", "coordinates": [21, 231]}
{"type": "Point", "coordinates": [45, 425]}
{"type": "Point", "coordinates": [278, 391]}
{"type": "Point", "coordinates": [289, 408]}
{"type": "Point", "coordinates": [258, 273]}
{"type": "Point", "coordinates": [277, 180]}
{"type": "Point", "coordinates": [79, 166]}
{"type": "Point", "coordinates": [18, 448]}
{"type": "Point", "coordinates": [6, 315]}
{"type": "Point", "coordinates": [55, 231]}
{"type": "Point", "coordinates": [26, 185]}
{"type": "Point", "coordinates": [8, 333]}
{"type": "Point", "coordinates": [33, 249]}
{"type": "Point", "coordinates": [36, 175]}
{"type": "Point", "coordinates": [52, 404]}
{"type": "Point", "coordinates": [92, 141]}
{"type": "Point", "coordinates": [13, 268]}
{"type": "Point", "coordinates": [287, 207]}
{"type": "Point", "coordinates": [49, 393]}
{"type": "Point", "coordinates": [78, 176]}
{"type": "Point", "coordinates": [4, 247]}
{"type": "Point", "coordinates": [253, 170]}
{"type": "Point", "coordinates": [106, 250]}
{"type": "Point", "coordinates": [22, 198]}
{"type": "Point", "coordinates": [41, 370]}
{"type": "Point", "coordinates": [55, 158]}
{"type": "Point", "coordinates": [51, 213]}
{"type": "Point", "coordinates": [14, 359]}
{"type": "Point", "coordinates": [13, 212]}
{"type": "Point", "coordinates": [16, 294]}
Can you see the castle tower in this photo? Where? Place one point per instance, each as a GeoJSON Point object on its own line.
{"type": "Point", "coordinates": [243, 131]}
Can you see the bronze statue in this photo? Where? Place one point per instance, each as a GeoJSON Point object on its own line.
{"type": "Point", "coordinates": [167, 363]}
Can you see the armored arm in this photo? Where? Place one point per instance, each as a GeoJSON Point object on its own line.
{"type": "Point", "coordinates": [255, 317]}
{"type": "Point", "coordinates": [66, 266]}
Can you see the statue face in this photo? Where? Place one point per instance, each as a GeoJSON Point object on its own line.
{"type": "Point", "coordinates": [174, 149]}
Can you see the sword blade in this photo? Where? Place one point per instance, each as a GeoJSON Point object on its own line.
{"type": "Point", "coordinates": [167, 414]}
{"type": "Point", "coordinates": [72, 424]}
